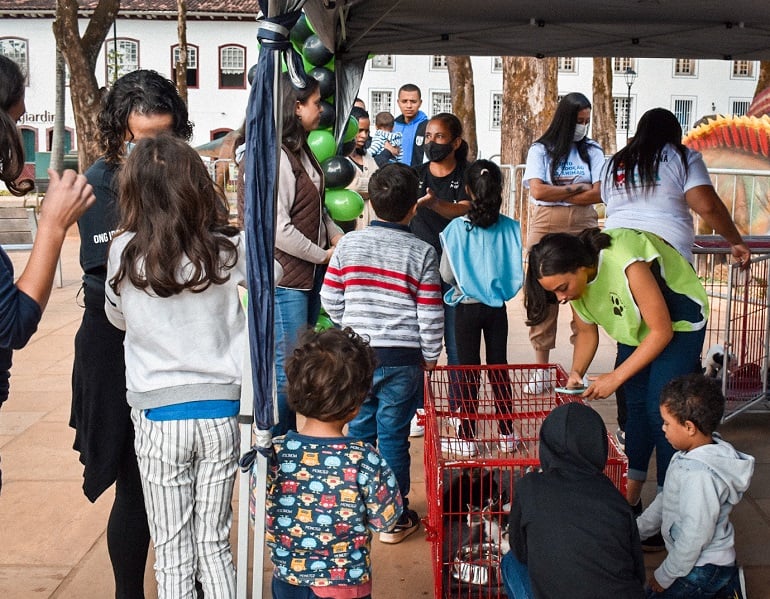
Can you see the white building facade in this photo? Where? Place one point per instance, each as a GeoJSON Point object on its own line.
{"type": "Point", "coordinates": [223, 47]}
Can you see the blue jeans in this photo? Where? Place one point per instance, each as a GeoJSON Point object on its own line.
{"type": "Point", "coordinates": [703, 582]}
{"type": "Point", "coordinates": [295, 312]}
{"type": "Point", "coordinates": [384, 418]}
{"type": "Point", "coordinates": [642, 392]}
{"type": "Point", "coordinates": [284, 590]}
{"type": "Point", "coordinates": [515, 577]}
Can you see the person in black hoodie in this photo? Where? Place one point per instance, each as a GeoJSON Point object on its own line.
{"type": "Point", "coordinates": [572, 533]}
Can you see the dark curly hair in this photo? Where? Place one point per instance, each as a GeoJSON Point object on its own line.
{"type": "Point", "coordinates": [484, 181]}
{"type": "Point", "coordinates": [697, 398]}
{"type": "Point", "coordinates": [144, 92]}
{"type": "Point", "coordinates": [11, 148]}
{"type": "Point", "coordinates": [329, 374]}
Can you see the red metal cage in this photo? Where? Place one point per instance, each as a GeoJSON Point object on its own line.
{"type": "Point", "coordinates": [470, 480]}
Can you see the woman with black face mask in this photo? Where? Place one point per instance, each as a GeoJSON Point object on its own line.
{"type": "Point", "coordinates": [443, 198]}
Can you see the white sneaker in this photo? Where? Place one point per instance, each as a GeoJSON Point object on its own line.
{"type": "Point", "coordinates": [416, 430]}
{"type": "Point", "coordinates": [508, 443]}
{"type": "Point", "coordinates": [538, 382]}
{"type": "Point", "coordinates": [459, 448]}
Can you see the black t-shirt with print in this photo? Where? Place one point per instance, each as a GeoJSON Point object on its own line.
{"type": "Point", "coordinates": [427, 223]}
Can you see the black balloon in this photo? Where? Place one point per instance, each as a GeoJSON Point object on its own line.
{"type": "Point", "coordinates": [251, 74]}
{"type": "Point", "coordinates": [325, 79]}
{"type": "Point", "coordinates": [338, 171]}
{"type": "Point", "coordinates": [315, 52]}
{"type": "Point", "coordinates": [327, 115]}
{"type": "Point", "coordinates": [347, 147]}
{"type": "Point", "coordinates": [301, 31]}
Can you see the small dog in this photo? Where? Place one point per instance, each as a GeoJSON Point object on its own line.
{"type": "Point", "coordinates": [714, 361]}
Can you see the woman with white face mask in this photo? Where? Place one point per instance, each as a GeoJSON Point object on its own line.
{"type": "Point", "coordinates": [563, 175]}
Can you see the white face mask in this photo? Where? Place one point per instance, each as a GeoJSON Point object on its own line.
{"type": "Point", "coordinates": [581, 130]}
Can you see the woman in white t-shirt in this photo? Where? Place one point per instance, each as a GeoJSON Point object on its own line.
{"type": "Point", "coordinates": [669, 181]}
{"type": "Point", "coordinates": [563, 177]}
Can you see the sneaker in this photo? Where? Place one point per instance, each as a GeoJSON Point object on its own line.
{"type": "Point", "coordinates": [654, 543]}
{"type": "Point", "coordinates": [415, 429]}
{"type": "Point", "coordinates": [620, 437]}
{"type": "Point", "coordinates": [459, 448]}
{"type": "Point", "coordinates": [508, 443]}
{"type": "Point", "coordinates": [406, 525]}
{"type": "Point", "coordinates": [539, 381]}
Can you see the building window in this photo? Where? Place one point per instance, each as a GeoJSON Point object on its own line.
{"type": "Point", "coordinates": [232, 67]}
{"type": "Point", "coordinates": [438, 62]}
{"type": "Point", "coordinates": [619, 65]}
{"type": "Point", "coordinates": [16, 49]}
{"type": "Point", "coordinates": [566, 64]}
{"type": "Point", "coordinates": [739, 107]}
{"type": "Point", "coordinates": [684, 67]}
{"type": "Point", "coordinates": [67, 139]}
{"type": "Point", "coordinates": [29, 142]}
{"type": "Point", "coordinates": [743, 69]}
{"type": "Point", "coordinates": [497, 64]}
{"type": "Point", "coordinates": [383, 61]}
{"type": "Point", "coordinates": [381, 101]}
{"type": "Point", "coordinates": [192, 63]}
{"type": "Point", "coordinates": [683, 110]}
{"type": "Point", "coordinates": [440, 102]}
{"type": "Point", "coordinates": [622, 112]}
{"type": "Point", "coordinates": [497, 110]}
{"type": "Point", "coordinates": [122, 57]}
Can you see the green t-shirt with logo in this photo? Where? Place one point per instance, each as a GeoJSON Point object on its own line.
{"type": "Point", "coordinates": [608, 302]}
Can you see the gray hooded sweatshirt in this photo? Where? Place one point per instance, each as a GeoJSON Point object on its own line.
{"type": "Point", "coordinates": [692, 511]}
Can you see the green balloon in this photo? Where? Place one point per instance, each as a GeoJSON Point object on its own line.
{"type": "Point", "coordinates": [344, 204]}
{"type": "Point", "coordinates": [323, 323]}
{"type": "Point", "coordinates": [351, 129]}
{"type": "Point", "coordinates": [322, 144]}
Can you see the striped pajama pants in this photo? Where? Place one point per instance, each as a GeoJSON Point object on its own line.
{"type": "Point", "coordinates": [188, 471]}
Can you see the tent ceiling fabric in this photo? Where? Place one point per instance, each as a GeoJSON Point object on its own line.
{"type": "Point", "coordinates": [721, 29]}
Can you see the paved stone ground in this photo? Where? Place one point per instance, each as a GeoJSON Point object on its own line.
{"type": "Point", "coordinates": [53, 541]}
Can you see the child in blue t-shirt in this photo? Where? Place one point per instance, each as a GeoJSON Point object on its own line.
{"type": "Point", "coordinates": [327, 491]}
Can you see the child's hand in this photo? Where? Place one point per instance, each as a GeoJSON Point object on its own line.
{"type": "Point", "coordinates": [654, 585]}
{"type": "Point", "coordinates": [395, 150]}
{"type": "Point", "coordinates": [429, 365]}
{"type": "Point", "coordinates": [601, 386]}
{"type": "Point", "coordinates": [428, 200]}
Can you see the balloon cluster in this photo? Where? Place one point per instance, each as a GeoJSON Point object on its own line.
{"type": "Point", "coordinates": [343, 204]}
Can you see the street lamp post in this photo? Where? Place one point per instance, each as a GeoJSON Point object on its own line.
{"type": "Point", "coordinates": [630, 76]}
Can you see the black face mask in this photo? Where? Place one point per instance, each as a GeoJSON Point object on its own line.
{"type": "Point", "coordinates": [437, 152]}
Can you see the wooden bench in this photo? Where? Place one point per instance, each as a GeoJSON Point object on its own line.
{"type": "Point", "coordinates": [18, 227]}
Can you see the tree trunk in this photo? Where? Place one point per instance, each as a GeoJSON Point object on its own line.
{"type": "Point", "coordinates": [603, 128]}
{"type": "Point", "coordinates": [81, 54]}
{"type": "Point", "coordinates": [181, 63]}
{"type": "Point", "coordinates": [763, 79]}
{"type": "Point", "coordinates": [57, 141]}
{"type": "Point", "coordinates": [530, 92]}
{"type": "Point", "coordinates": [463, 99]}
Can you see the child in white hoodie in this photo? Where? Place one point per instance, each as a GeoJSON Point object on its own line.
{"type": "Point", "coordinates": [705, 479]}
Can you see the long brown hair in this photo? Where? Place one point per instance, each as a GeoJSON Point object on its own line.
{"type": "Point", "coordinates": [179, 219]}
{"type": "Point", "coordinates": [11, 148]}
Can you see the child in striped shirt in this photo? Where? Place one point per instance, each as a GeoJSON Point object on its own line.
{"type": "Point", "coordinates": [383, 282]}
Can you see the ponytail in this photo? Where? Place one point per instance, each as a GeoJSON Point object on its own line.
{"type": "Point", "coordinates": [485, 182]}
